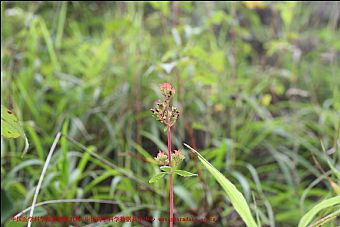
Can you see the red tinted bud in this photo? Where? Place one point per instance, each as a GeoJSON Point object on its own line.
{"type": "Point", "coordinates": [167, 89]}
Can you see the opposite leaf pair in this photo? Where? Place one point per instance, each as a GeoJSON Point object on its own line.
{"type": "Point", "coordinates": [168, 170]}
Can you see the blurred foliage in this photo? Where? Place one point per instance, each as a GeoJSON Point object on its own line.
{"type": "Point", "coordinates": [258, 88]}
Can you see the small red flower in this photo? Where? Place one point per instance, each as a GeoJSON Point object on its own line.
{"type": "Point", "coordinates": [166, 86]}
{"type": "Point", "coordinates": [167, 89]}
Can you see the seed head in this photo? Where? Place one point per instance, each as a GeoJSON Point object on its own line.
{"type": "Point", "coordinates": [159, 112]}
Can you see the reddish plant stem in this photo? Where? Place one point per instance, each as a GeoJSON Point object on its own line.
{"type": "Point", "coordinates": [169, 159]}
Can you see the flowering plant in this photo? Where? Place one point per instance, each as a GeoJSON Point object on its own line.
{"type": "Point", "coordinates": [169, 162]}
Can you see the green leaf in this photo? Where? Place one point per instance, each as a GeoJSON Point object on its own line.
{"type": "Point", "coordinates": [330, 217]}
{"type": "Point", "coordinates": [236, 198]}
{"type": "Point", "coordinates": [166, 169]}
{"type": "Point", "coordinates": [157, 177]}
{"type": "Point", "coordinates": [10, 127]}
{"type": "Point", "coordinates": [184, 173]}
{"type": "Point", "coordinates": [100, 179]}
{"type": "Point", "coordinates": [307, 218]}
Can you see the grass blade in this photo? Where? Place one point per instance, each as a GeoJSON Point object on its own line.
{"type": "Point", "coordinates": [236, 198]}
{"type": "Point", "coordinates": [307, 218]}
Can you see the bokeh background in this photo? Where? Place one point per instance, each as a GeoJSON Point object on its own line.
{"type": "Point", "coordinates": [258, 88]}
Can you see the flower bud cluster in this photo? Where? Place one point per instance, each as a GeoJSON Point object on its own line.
{"type": "Point", "coordinates": [177, 158]}
{"type": "Point", "coordinates": [162, 158]}
{"type": "Point", "coordinates": [160, 110]}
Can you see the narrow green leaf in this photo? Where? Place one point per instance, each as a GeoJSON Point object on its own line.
{"type": "Point", "coordinates": [184, 173]}
{"type": "Point", "coordinates": [99, 179]}
{"type": "Point", "coordinates": [322, 221]}
{"type": "Point", "coordinates": [61, 24]}
{"type": "Point", "coordinates": [37, 142]}
{"type": "Point", "coordinates": [64, 158]}
{"type": "Point", "coordinates": [157, 177]}
{"type": "Point", "coordinates": [166, 169]}
{"type": "Point", "coordinates": [307, 218]}
{"type": "Point", "coordinates": [236, 198]}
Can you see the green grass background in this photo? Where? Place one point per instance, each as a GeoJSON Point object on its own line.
{"type": "Point", "coordinates": [258, 88]}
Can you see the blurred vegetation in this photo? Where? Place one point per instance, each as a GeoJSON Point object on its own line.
{"type": "Point", "coordinates": [258, 88]}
